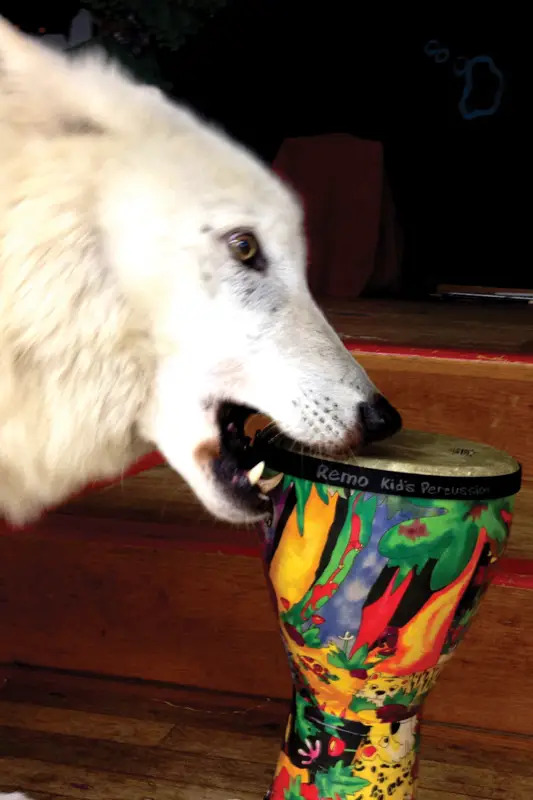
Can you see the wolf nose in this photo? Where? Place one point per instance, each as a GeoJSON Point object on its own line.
{"type": "Point", "coordinates": [379, 419]}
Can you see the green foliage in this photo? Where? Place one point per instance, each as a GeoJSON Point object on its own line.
{"type": "Point", "coordinates": [294, 792]}
{"type": "Point", "coordinates": [492, 520]}
{"type": "Point", "coordinates": [303, 727]}
{"type": "Point", "coordinates": [332, 724]}
{"type": "Point", "coordinates": [303, 490]}
{"type": "Point", "coordinates": [454, 559]}
{"type": "Point", "coordinates": [362, 704]}
{"type": "Point", "coordinates": [322, 492]}
{"type": "Point", "coordinates": [340, 563]}
{"type": "Point", "coordinates": [401, 698]}
{"type": "Point", "coordinates": [366, 510]}
{"type": "Point", "coordinates": [342, 660]}
{"type": "Point", "coordinates": [312, 637]}
{"type": "Point", "coordinates": [449, 539]}
{"type": "Point", "coordinates": [339, 781]}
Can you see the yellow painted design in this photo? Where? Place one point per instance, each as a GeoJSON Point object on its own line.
{"type": "Point", "coordinates": [293, 568]}
{"type": "Point", "coordinates": [420, 643]}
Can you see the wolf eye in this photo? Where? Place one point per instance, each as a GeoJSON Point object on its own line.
{"type": "Point", "coordinates": [244, 247]}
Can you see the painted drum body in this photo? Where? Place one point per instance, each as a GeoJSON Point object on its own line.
{"type": "Point", "coordinates": [377, 565]}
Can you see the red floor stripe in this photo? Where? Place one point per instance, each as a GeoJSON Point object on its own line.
{"type": "Point", "coordinates": [514, 573]}
{"type": "Point", "coordinates": [355, 345]}
{"type": "Point", "coordinates": [203, 538]}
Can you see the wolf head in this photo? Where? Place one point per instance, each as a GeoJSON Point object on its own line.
{"type": "Point", "coordinates": [152, 272]}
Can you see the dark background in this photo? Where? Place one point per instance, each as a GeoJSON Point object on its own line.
{"type": "Point", "coordinates": [277, 68]}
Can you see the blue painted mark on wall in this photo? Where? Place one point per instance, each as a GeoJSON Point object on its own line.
{"type": "Point", "coordinates": [435, 50]}
{"type": "Point", "coordinates": [468, 69]}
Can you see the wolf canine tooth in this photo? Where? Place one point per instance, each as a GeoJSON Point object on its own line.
{"type": "Point", "coordinates": [256, 472]}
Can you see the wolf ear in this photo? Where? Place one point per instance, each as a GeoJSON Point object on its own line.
{"type": "Point", "coordinates": [22, 56]}
{"type": "Point", "coordinates": [49, 90]}
{"type": "Point", "coordinates": [38, 85]}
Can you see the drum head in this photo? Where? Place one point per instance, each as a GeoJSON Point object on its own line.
{"type": "Point", "coordinates": [411, 462]}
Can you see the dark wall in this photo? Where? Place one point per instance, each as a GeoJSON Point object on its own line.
{"type": "Point", "coordinates": [287, 67]}
{"type": "Point", "coordinates": [268, 69]}
{"type": "Point", "coordinates": [55, 15]}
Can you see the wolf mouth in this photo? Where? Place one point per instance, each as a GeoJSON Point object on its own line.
{"type": "Point", "coordinates": [237, 468]}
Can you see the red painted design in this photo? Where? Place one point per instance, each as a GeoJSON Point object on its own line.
{"type": "Point", "coordinates": [376, 616]}
{"type": "Point", "coordinates": [507, 517]}
{"type": "Point", "coordinates": [477, 511]}
{"type": "Point", "coordinates": [321, 592]}
{"type": "Point", "coordinates": [336, 747]}
{"type": "Point", "coordinates": [413, 530]}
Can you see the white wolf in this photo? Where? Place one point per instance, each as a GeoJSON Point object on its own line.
{"type": "Point", "coordinates": [152, 283]}
{"type": "Point", "coordinates": [151, 271]}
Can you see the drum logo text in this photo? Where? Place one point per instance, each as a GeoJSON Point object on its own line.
{"type": "Point", "coordinates": [334, 476]}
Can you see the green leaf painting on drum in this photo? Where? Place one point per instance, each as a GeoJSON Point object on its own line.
{"type": "Point", "coordinates": [411, 545]}
{"type": "Point", "coordinates": [338, 781]}
{"type": "Point", "coordinates": [454, 559]}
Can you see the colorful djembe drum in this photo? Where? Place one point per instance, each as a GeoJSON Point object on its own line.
{"type": "Point", "coordinates": [377, 565]}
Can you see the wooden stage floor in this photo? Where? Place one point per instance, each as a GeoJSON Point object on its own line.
{"type": "Point", "coordinates": [66, 737]}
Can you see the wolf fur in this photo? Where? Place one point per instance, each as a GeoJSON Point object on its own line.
{"type": "Point", "coordinates": [124, 320]}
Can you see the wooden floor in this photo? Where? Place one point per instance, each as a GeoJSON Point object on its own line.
{"type": "Point", "coordinates": [65, 737]}
{"type": "Point", "coordinates": [436, 325]}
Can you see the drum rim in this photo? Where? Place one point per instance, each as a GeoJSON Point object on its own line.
{"type": "Point", "coordinates": [414, 484]}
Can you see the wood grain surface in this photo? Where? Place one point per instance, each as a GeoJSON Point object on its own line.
{"type": "Point", "coordinates": [63, 741]}
{"type": "Point", "coordinates": [148, 608]}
